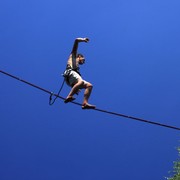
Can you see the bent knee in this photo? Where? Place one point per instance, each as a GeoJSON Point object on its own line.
{"type": "Point", "coordinates": [89, 85]}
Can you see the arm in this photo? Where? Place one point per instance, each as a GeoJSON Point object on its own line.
{"type": "Point", "coordinates": [74, 50]}
{"type": "Point", "coordinates": [76, 42]}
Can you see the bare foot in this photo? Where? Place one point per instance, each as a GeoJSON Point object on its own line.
{"type": "Point", "coordinates": [69, 99]}
{"type": "Point", "coordinates": [88, 106]}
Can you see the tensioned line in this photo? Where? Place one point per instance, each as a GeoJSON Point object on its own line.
{"type": "Point", "coordinates": [96, 109]}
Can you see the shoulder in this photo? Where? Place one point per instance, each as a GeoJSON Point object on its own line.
{"type": "Point", "coordinates": [72, 57]}
{"type": "Point", "coordinates": [72, 60]}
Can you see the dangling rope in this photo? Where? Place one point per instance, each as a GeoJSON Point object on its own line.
{"type": "Point", "coordinates": [96, 109]}
{"type": "Point", "coordinates": [51, 102]}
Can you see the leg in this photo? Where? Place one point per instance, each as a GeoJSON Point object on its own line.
{"type": "Point", "coordinates": [76, 87]}
{"type": "Point", "coordinates": [88, 88]}
{"type": "Point", "coordinates": [74, 90]}
{"type": "Point", "coordinates": [87, 92]}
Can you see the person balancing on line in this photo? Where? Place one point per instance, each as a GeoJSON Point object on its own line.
{"type": "Point", "coordinates": [73, 77]}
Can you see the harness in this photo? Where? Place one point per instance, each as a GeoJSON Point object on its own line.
{"type": "Point", "coordinates": [67, 73]}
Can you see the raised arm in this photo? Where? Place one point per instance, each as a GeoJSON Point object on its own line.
{"type": "Point", "coordinates": [76, 42]}
{"type": "Point", "coordinates": [72, 58]}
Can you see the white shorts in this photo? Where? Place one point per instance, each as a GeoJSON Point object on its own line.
{"type": "Point", "coordinates": [73, 78]}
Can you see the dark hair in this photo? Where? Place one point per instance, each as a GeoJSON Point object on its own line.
{"type": "Point", "coordinates": [79, 55]}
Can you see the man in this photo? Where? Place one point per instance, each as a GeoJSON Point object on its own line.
{"type": "Point", "coordinates": [73, 77]}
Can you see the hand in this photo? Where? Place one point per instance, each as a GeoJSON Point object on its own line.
{"type": "Point", "coordinates": [86, 39]}
{"type": "Point", "coordinates": [82, 39]}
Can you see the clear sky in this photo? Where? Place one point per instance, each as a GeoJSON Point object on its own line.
{"type": "Point", "coordinates": [133, 61]}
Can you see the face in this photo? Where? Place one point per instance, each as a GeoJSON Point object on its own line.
{"type": "Point", "coordinates": [81, 60]}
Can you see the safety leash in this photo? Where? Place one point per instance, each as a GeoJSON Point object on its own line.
{"type": "Point", "coordinates": [51, 100]}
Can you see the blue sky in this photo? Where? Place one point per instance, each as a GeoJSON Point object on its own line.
{"type": "Point", "coordinates": [132, 60]}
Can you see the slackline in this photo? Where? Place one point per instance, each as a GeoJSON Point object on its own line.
{"type": "Point", "coordinates": [96, 109]}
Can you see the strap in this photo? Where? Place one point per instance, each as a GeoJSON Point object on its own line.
{"type": "Point", "coordinates": [51, 95]}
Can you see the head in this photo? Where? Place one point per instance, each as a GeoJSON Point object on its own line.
{"type": "Point", "coordinates": [80, 58]}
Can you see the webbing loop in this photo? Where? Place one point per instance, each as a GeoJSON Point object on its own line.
{"type": "Point", "coordinates": [51, 100]}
